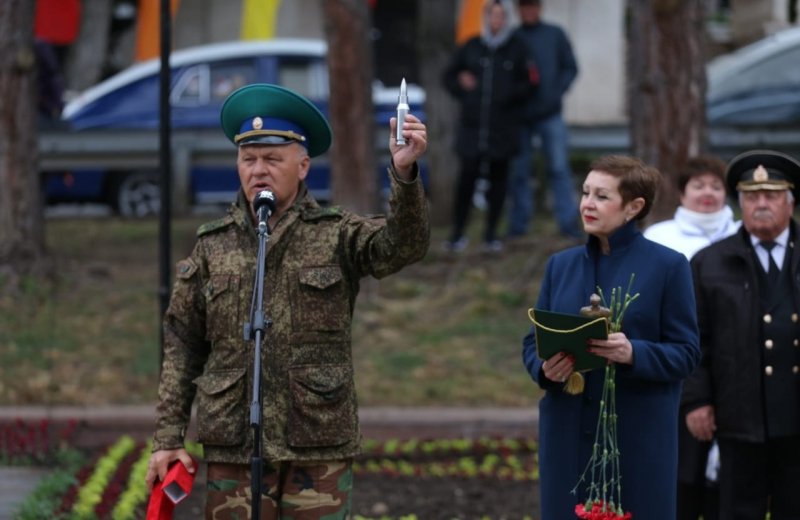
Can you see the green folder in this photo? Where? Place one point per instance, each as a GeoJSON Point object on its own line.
{"type": "Point", "coordinates": [557, 332]}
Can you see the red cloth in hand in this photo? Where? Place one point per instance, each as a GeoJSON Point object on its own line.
{"type": "Point", "coordinates": [176, 486]}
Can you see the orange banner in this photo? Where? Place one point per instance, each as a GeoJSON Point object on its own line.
{"type": "Point", "coordinates": [148, 29]}
{"type": "Point", "coordinates": [469, 20]}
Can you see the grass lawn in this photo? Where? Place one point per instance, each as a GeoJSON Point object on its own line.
{"type": "Point", "coordinates": [446, 331]}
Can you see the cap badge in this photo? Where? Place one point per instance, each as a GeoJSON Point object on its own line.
{"type": "Point", "coordinates": [258, 123]}
{"type": "Point", "coordinates": [760, 174]}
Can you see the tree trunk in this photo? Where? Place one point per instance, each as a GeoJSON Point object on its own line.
{"type": "Point", "coordinates": [353, 168]}
{"type": "Point", "coordinates": [21, 216]}
{"type": "Point", "coordinates": [666, 89]}
{"type": "Point", "coordinates": [436, 27]}
{"type": "Point", "coordinates": [89, 53]}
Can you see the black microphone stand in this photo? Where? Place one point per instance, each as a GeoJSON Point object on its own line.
{"type": "Point", "coordinates": [254, 329]}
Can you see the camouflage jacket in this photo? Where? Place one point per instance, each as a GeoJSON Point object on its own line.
{"type": "Point", "coordinates": [314, 260]}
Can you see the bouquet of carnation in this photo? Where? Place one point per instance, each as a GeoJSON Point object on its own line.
{"type": "Point", "coordinates": [602, 472]}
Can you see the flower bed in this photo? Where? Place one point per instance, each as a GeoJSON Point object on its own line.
{"type": "Point", "coordinates": [33, 443]}
{"type": "Point", "coordinates": [111, 484]}
{"type": "Point", "coordinates": [505, 459]}
{"type": "Point", "coordinates": [487, 478]}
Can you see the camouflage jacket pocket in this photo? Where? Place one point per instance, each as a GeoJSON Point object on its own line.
{"type": "Point", "coordinates": [322, 411]}
{"type": "Point", "coordinates": [221, 407]}
{"type": "Point", "coordinates": [319, 299]}
{"type": "Point", "coordinates": [222, 304]}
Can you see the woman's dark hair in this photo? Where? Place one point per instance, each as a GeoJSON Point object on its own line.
{"type": "Point", "coordinates": [636, 179]}
{"type": "Point", "coordinates": [701, 165]}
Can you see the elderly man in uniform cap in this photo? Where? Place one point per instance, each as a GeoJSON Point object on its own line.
{"type": "Point", "coordinates": [747, 389]}
{"type": "Point", "coordinates": [314, 260]}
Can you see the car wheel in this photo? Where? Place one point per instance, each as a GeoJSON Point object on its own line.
{"type": "Point", "coordinates": [138, 195]}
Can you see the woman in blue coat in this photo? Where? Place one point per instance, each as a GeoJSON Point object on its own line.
{"type": "Point", "coordinates": [656, 349]}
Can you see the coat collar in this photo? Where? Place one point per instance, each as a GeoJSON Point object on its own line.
{"type": "Point", "coordinates": [619, 241]}
{"type": "Point", "coordinates": [739, 245]}
{"type": "Point", "coordinates": [240, 210]}
{"type": "Point", "coordinates": [746, 241]}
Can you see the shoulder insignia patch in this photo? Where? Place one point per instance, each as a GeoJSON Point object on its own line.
{"type": "Point", "coordinates": [184, 269]}
{"type": "Point", "coordinates": [320, 213]}
{"type": "Point", "coordinates": [214, 225]}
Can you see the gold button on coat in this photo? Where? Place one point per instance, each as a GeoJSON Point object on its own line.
{"type": "Point", "coordinates": [794, 317]}
{"type": "Point", "coordinates": [767, 318]}
{"type": "Point", "coordinates": [795, 369]}
{"type": "Point", "coordinates": [768, 370]}
{"type": "Point", "coordinates": [796, 343]}
{"type": "Point", "coordinates": [768, 344]}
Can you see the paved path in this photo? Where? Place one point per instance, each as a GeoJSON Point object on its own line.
{"type": "Point", "coordinates": [101, 425]}
{"type": "Point", "coordinates": [15, 485]}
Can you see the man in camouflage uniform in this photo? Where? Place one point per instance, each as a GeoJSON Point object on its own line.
{"type": "Point", "coordinates": [314, 260]}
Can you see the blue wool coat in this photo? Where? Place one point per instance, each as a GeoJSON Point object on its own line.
{"type": "Point", "coordinates": [661, 324]}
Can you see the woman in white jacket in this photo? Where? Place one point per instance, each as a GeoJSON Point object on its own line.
{"type": "Point", "coordinates": [701, 219]}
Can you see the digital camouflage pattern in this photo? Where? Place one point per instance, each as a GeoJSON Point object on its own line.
{"type": "Point", "coordinates": [315, 259]}
{"type": "Point", "coordinates": [290, 491]}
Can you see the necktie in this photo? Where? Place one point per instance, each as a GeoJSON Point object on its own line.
{"type": "Point", "coordinates": [774, 272]}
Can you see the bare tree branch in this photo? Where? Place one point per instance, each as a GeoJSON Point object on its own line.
{"type": "Point", "coordinates": [21, 215]}
{"type": "Point", "coordinates": [667, 87]}
{"type": "Point", "coordinates": [353, 178]}
{"type": "Point", "coordinates": [436, 26]}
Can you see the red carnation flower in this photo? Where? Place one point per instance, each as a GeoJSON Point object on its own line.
{"type": "Point", "coordinates": [600, 511]}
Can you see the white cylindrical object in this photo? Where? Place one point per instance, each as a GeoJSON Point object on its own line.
{"type": "Point", "coordinates": [402, 110]}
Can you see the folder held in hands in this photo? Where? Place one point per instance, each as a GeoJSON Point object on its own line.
{"type": "Point", "coordinates": [558, 332]}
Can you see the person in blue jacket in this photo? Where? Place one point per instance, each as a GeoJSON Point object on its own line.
{"type": "Point", "coordinates": [657, 348]}
{"type": "Point", "coordinates": [555, 68]}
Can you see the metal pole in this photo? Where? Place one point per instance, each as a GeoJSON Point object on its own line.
{"type": "Point", "coordinates": [165, 161]}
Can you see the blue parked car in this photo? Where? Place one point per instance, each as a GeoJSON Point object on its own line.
{"type": "Point", "coordinates": [201, 79]}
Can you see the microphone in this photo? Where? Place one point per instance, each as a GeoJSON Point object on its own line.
{"type": "Point", "coordinates": [264, 205]}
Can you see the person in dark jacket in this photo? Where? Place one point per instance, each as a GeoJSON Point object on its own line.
{"type": "Point", "coordinates": [488, 75]}
{"type": "Point", "coordinates": [50, 82]}
{"type": "Point", "coordinates": [551, 53]}
{"type": "Point", "coordinates": [746, 391]}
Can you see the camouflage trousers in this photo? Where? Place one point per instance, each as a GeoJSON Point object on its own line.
{"type": "Point", "coordinates": [296, 490]}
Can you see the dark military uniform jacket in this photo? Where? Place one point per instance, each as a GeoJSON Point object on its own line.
{"type": "Point", "coordinates": [750, 370]}
{"type": "Point", "coordinates": [315, 258]}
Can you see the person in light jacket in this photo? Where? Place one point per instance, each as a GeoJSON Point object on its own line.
{"type": "Point", "coordinates": [702, 218]}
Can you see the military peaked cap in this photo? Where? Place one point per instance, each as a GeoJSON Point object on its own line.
{"type": "Point", "coordinates": [764, 170]}
{"type": "Point", "coordinates": [268, 114]}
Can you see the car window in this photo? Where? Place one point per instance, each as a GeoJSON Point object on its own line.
{"type": "Point", "coordinates": [211, 82]}
{"type": "Point", "coordinates": [780, 71]}
{"type": "Point", "coordinates": [304, 75]}
{"type": "Point", "coordinates": [228, 76]}
{"type": "Point", "coordinates": [191, 87]}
